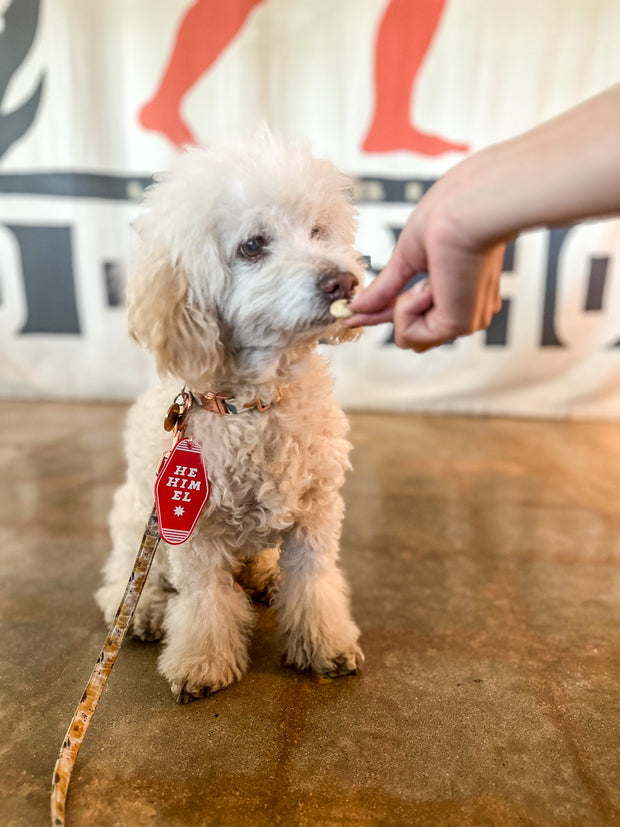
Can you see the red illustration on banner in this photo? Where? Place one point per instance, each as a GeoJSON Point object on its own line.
{"type": "Point", "coordinates": [205, 31]}
{"type": "Point", "coordinates": [181, 492]}
{"type": "Point", "coordinates": [405, 35]}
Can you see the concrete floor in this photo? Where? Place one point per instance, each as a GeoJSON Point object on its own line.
{"type": "Point", "coordinates": [484, 560]}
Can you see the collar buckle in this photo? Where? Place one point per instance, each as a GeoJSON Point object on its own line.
{"type": "Point", "coordinates": [225, 404]}
{"type": "Point", "coordinates": [262, 407]}
{"type": "Point", "coordinates": [214, 402]}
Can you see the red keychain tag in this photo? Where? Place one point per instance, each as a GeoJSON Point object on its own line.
{"type": "Point", "coordinates": [181, 491]}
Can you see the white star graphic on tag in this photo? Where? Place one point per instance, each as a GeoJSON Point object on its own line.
{"type": "Point", "coordinates": [179, 511]}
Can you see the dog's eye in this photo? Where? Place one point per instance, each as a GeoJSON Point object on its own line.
{"type": "Point", "coordinates": [318, 232]}
{"type": "Point", "coordinates": [253, 247]}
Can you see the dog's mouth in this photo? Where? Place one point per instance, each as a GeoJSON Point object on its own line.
{"type": "Point", "coordinates": [335, 290]}
{"type": "Point", "coordinates": [281, 323]}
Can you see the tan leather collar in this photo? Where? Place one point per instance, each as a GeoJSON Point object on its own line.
{"type": "Point", "coordinates": [225, 404]}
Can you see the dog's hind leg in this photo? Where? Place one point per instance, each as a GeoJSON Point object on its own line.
{"type": "Point", "coordinates": [127, 522]}
{"type": "Point", "coordinates": [259, 575]}
{"type": "Point", "coordinates": [207, 624]}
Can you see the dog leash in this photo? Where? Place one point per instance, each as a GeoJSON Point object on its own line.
{"type": "Point", "coordinates": [99, 676]}
{"type": "Point", "coordinates": [154, 531]}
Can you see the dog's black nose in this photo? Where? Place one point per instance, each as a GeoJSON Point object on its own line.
{"type": "Point", "coordinates": [338, 285]}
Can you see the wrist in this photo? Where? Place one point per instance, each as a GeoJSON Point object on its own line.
{"type": "Point", "coordinates": [468, 203]}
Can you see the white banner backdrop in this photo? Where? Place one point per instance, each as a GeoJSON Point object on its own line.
{"type": "Point", "coordinates": [95, 97]}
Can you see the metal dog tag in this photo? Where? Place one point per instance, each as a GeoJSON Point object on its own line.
{"type": "Point", "coordinates": [181, 491]}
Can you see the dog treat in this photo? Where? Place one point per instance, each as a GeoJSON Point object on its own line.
{"type": "Point", "coordinates": [340, 309]}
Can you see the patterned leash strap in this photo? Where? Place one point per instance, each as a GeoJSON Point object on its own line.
{"type": "Point", "coordinates": [175, 421]}
{"type": "Point", "coordinates": [99, 676]}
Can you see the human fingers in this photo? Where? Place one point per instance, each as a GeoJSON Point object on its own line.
{"type": "Point", "coordinates": [460, 306]}
{"type": "Point", "coordinates": [406, 261]}
{"type": "Point", "coordinates": [367, 319]}
{"type": "Point", "coordinates": [495, 298]}
{"type": "Point", "coordinates": [490, 300]}
{"type": "Point", "coordinates": [420, 300]}
{"type": "Point", "coordinates": [420, 329]}
{"type": "Point", "coordinates": [381, 293]}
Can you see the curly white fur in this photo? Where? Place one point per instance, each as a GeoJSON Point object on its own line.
{"type": "Point", "coordinates": [217, 319]}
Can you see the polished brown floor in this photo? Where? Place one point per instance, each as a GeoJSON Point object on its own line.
{"type": "Point", "coordinates": [484, 560]}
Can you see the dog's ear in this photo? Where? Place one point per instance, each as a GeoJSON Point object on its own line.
{"type": "Point", "coordinates": [163, 317]}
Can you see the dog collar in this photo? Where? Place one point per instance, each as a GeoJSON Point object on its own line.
{"type": "Point", "coordinates": [225, 404]}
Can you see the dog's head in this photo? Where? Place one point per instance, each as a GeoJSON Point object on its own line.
{"type": "Point", "coordinates": [242, 252]}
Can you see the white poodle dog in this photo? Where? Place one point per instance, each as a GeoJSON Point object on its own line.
{"type": "Point", "coordinates": [242, 252]}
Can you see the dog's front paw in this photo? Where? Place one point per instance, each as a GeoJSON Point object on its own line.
{"type": "Point", "coordinates": [346, 663]}
{"type": "Point", "coordinates": [192, 688]}
{"type": "Point", "coordinates": [193, 679]}
{"type": "Point", "coordinates": [185, 691]}
{"type": "Point", "coordinates": [329, 664]}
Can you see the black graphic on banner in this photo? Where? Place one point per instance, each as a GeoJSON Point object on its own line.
{"type": "Point", "coordinates": [49, 286]}
{"type": "Point", "coordinates": [49, 279]}
{"type": "Point", "coordinates": [20, 25]}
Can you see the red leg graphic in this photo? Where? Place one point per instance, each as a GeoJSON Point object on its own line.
{"type": "Point", "coordinates": [207, 28]}
{"type": "Point", "coordinates": [405, 34]}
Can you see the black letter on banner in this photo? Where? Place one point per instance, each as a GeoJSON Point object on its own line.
{"type": "Point", "coordinates": [596, 283]}
{"type": "Point", "coordinates": [549, 337]}
{"type": "Point", "coordinates": [497, 331]}
{"type": "Point", "coordinates": [47, 269]}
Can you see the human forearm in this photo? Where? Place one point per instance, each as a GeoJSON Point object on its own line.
{"type": "Point", "coordinates": [565, 170]}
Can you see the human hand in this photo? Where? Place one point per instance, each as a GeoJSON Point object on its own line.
{"type": "Point", "coordinates": [461, 294]}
